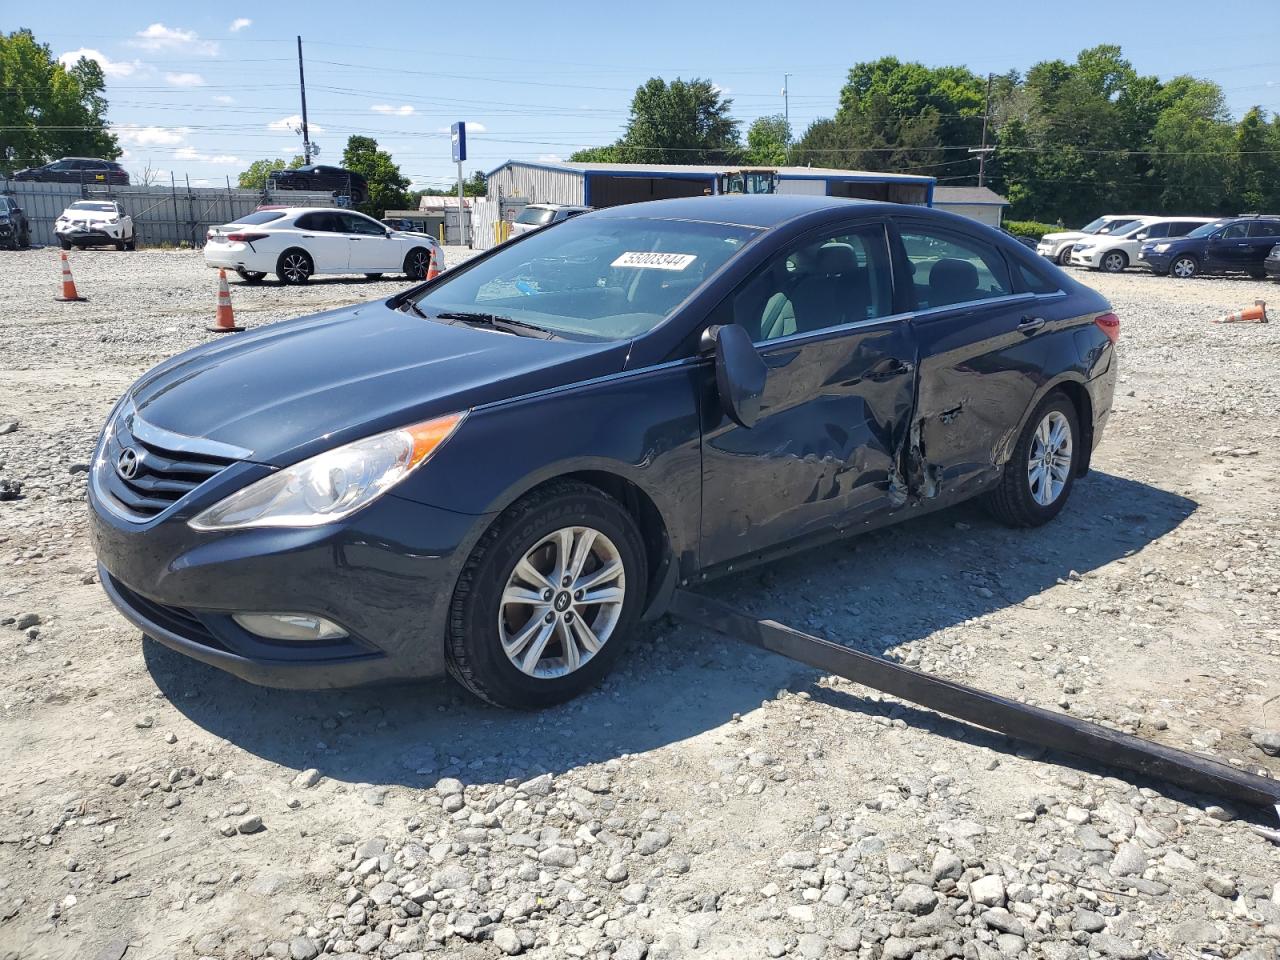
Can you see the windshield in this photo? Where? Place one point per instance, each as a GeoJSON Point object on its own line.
{"type": "Point", "coordinates": [94, 207]}
{"type": "Point", "coordinates": [1208, 228]}
{"type": "Point", "coordinates": [592, 278]}
{"type": "Point", "coordinates": [537, 216]}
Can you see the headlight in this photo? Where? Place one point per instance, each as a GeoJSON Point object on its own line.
{"type": "Point", "coordinates": [333, 484]}
{"type": "Point", "coordinates": [1161, 247]}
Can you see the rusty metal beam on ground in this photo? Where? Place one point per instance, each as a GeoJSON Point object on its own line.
{"type": "Point", "coordinates": [1017, 720]}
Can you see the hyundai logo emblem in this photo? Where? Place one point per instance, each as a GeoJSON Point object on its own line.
{"type": "Point", "coordinates": [127, 464]}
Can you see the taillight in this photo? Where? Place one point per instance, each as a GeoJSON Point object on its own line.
{"type": "Point", "coordinates": [1109, 324]}
{"type": "Point", "coordinates": [245, 237]}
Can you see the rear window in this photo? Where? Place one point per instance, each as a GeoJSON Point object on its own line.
{"type": "Point", "coordinates": [260, 217]}
{"type": "Point", "coordinates": [536, 216]}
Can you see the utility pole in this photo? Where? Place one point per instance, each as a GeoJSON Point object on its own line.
{"type": "Point", "coordinates": [302, 88]}
{"type": "Point", "coordinates": [786, 103]}
{"type": "Point", "coordinates": [983, 151]}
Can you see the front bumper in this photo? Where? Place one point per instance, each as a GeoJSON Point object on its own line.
{"type": "Point", "coordinates": [92, 235]}
{"type": "Point", "coordinates": [1083, 258]}
{"type": "Point", "coordinates": [385, 574]}
{"type": "Point", "coordinates": [1155, 262]}
{"type": "Point", "coordinates": [1047, 250]}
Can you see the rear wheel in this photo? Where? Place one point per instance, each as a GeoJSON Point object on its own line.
{"type": "Point", "coordinates": [250, 276]}
{"type": "Point", "coordinates": [547, 599]}
{"type": "Point", "coordinates": [1038, 478]}
{"type": "Point", "coordinates": [64, 243]}
{"type": "Point", "coordinates": [1115, 262]}
{"type": "Point", "coordinates": [294, 267]}
{"type": "Point", "coordinates": [416, 263]}
{"type": "Point", "coordinates": [1184, 267]}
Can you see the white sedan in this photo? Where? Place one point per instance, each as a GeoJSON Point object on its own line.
{"type": "Point", "coordinates": [95, 223]}
{"type": "Point", "coordinates": [296, 243]}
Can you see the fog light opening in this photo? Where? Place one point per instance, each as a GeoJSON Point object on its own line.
{"type": "Point", "coordinates": [301, 627]}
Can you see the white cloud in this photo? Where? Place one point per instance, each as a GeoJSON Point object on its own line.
{"type": "Point", "coordinates": [194, 155]}
{"type": "Point", "coordinates": [404, 110]}
{"type": "Point", "coordinates": [131, 134]}
{"type": "Point", "coordinates": [293, 122]}
{"type": "Point", "coordinates": [184, 79]}
{"type": "Point", "coordinates": [239, 23]}
{"type": "Point", "coordinates": [110, 68]}
{"type": "Point", "coordinates": [223, 98]}
{"type": "Point", "coordinates": [223, 158]}
{"type": "Point", "coordinates": [550, 158]}
{"type": "Point", "coordinates": [158, 37]}
{"type": "Point", "coordinates": [473, 126]}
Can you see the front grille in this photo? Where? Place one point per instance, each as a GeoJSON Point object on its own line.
{"type": "Point", "coordinates": [176, 620]}
{"type": "Point", "coordinates": [162, 475]}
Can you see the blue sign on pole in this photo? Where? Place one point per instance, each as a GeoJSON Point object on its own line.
{"type": "Point", "coordinates": [459, 137]}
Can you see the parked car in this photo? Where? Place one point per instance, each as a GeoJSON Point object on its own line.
{"type": "Point", "coordinates": [336, 180]}
{"type": "Point", "coordinates": [297, 243]}
{"type": "Point", "coordinates": [500, 471]}
{"type": "Point", "coordinates": [1057, 246]}
{"type": "Point", "coordinates": [535, 216]}
{"type": "Point", "coordinates": [1272, 264]}
{"type": "Point", "coordinates": [1228, 245]}
{"type": "Point", "coordinates": [95, 223]}
{"type": "Point", "coordinates": [15, 229]}
{"type": "Point", "coordinates": [77, 170]}
{"type": "Point", "coordinates": [1118, 251]}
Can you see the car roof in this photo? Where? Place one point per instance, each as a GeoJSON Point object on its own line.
{"type": "Point", "coordinates": [748, 210]}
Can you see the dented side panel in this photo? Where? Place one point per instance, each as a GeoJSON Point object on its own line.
{"type": "Point", "coordinates": [827, 449]}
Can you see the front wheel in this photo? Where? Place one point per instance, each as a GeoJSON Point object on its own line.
{"type": "Point", "coordinates": [547, 599]}
{"type": "Point", "coordinates": [1184, 268]}
{"type": "Point", "coordinates": [416, 263]}
{"type": "Point", "coordinates": [1037, 479]}
{"type": "Point", "coordinates": [1115, 262]}
{"type": "Point", "coordinates": [1064, 257]}
{"type": "Point", "coordinates": [64, 243]}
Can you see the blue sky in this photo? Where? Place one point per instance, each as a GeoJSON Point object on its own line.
{"type": "Point", "coordinates": [203, 92]}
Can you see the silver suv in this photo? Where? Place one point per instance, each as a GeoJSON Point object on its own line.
{"type": "Point", "coordinates": [538, 215]}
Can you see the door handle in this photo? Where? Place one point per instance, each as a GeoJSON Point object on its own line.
{"type": "Point", "coordinates": [1030, 324]}
{"type": "Point", "coordinates": [888, 368]}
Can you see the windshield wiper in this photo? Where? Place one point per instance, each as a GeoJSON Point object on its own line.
{"type": "Point", "coordinates": [508, 324]}
{"type": "Point", "coordinates": [415, 308]}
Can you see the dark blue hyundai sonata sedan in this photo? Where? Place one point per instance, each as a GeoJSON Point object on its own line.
{"type": "Point", "coordinates": [499, 472]}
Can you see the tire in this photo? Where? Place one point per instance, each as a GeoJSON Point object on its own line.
{"type": "Point", "coordinates": [64, 243]}
{"type": "Point", "coordinates": [1015, 501]}
{"type": "Point", "coordinates": [416, 263]}
{"type": "Point", "coordinates": [1115, 261]}
{"type": "Point", "coordinates": [373, 276]}
{"type": "Point", "coordinates": [250, 276]}
{"type": "Point", "coordinates": [1184, 267]}
{"type": "Point", "coordinates": [131, 244]}
{"type": "Point", "coordinates": [295, 267]}
{"type": "Point", "coordinates": [527, 534]}
{"type": "Point", "coordinates": [122, 245]}
{"type": "Point", "coordinates": [1064, 256]}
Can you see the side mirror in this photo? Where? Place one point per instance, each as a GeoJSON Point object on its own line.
{"type": "Point", "coordinates": [740, 372]}
{"type": "Point", "coordinates": [1140, 236]}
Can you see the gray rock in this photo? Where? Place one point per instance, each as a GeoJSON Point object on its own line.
{"type": "Point", "coordinates": [634, 893]}
{"type": "Point", "coordinates": [616, 872]}
{"type": "Point", "coordinates": [988, 891]}
{"type": "Point", "coordinates": [1129, 861]}
{"type": "Point", "coordinates": [1112, 946]}
{"type": "Point", "coordinates": [9, 426]}
{"type": "Point", "coordinates": [946, 866]}
{"type": "Point", "coordinates": [631, 949]}
{"type": "Point", "coordinates": [26, 620]}
{"type": "Point", "coordinates": [538, 786]}
{"type": "Point", "coordinates": [1002, 920]}
{"type": "Point", "coordinates": [1268, 741]}
{"type": "Point", "coordinates": [558, 857]}
{"type": "Point", "coordinates": [812, 946]}
{"type": "Point", "coordinates": [798, 859]}
{"type": "Point", "coordinates": [303, 948]}
{"type": "Point", "coordinates": [1222, 886]}
{"type": "Point", "coordinates": [505, 939]}
{"type": "Point", "coordinates": [306, 779]}
{"type": "Point", "coordinates": [916, 899]}
{"type": "Point", "coordinates": [1088, 921]}
{"type": "Point", "coordinates": [651, 841]}
{"type": "Point", "coordinates": [370, 942]}
{"type": "Point", "coordinates": [1196, 932]}
{"type": "Point", "coordinates": [448, 787]}
{"type": "Point", "coordinates": [847, 939]}
{"type": "Point", "coordinates": [249, 824]}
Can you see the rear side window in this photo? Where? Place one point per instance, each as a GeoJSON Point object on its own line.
{"type": "Point", "coordinates": [948, 268]}
{"type": "Point", "coordinates": [1156, 230]}
{"type": "Point", "coordinates": [1033, 281]}
{"type": "Point", "coordinates": [259, 217]}
{"type": "Point", "coordinates": [1264, 228]}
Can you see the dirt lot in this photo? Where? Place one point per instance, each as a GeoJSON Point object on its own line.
{"type": "Point", "coordinates": [707, 801]}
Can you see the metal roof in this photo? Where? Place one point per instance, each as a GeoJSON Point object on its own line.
{"type": "Point", "coordinates": [707, 171]}
{"type": "Point", "coordinates": [972, 195]}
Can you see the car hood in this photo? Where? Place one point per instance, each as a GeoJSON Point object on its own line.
{"type": "Point", "coordinates": [1066, 235]}
{"type": "Point", "coordinates": [293, 389]}
{"type": "Point", "coordinates": [88, 216]}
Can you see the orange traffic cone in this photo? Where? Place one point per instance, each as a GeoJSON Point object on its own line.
{"type": "Point", "coordinates": [226, 319]}
{"type": "Point", "coordinates": [1255, 314]}
{"type": "Point", "coordinates": [432, 270]}
{"type": "Point", "coordinates": [69, 294]}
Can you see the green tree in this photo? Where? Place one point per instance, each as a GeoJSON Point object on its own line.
{"type": "Point", "coordinates": [767, 141]}
{"type": "Point", "coordinates": [1255, 175]}
{"type": "Point", "coordinates": [255, 178]}
{"type": "Point", "coordinates": [386, 183]}
{"type": "Point", "coordinates": [475, 185]}
{"type": "Point", "coordinates": [613, 153]}
{"type": "Point", "coordinates": [46, 110]}
{"type": "Point", "coordinates": [1191, 143]}
{"type": "Point", "coordinates": [680, 122]}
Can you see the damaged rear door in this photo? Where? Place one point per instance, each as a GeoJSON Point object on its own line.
{"type": "Point", "coordinates": [826, 451]}
{"type": "Point", "coordinates": [983, 354]}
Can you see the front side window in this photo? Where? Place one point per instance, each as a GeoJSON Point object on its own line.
{"type": "Point", "coordinates": [823, 282]}
{"type": "Point", "coordinates": [364, 226]}
{"type": "Point", "coordinates": [948, 268]}
{"type": "Point", "coordinates": [1237, 231]}
{"type": "Point", "coordinates": [593, 278]}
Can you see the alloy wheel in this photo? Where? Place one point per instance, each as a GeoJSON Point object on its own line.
{"type": "Point", "coordinates": [418, 263]}
{"type": "Point", "coordinates": [1113, 262]}
{"type": "Point", "coordinates": [296, 268]}
{"type": "Point", "coordinates": [561, 602]}
{"type": "Point", "coordinates": [1049, 464]}
{"type": "Point", "coordinates": [1184, 268]}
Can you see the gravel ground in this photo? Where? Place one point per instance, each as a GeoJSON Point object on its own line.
{"type": "Point", "coordinates": [708, 801]}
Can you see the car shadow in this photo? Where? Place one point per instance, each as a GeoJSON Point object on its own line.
{"type": "Point", "coordinates": [677, 681]}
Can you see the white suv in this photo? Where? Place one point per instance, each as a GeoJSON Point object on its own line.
{"type": "Point", "coordinates": [296, 243]}
{"type": "Point", "coordinates": [1057, 246]}
{"type": "Point", "coordinates": [95, 223]}
{"type": "Point", "coordinates": [1117, 251]}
